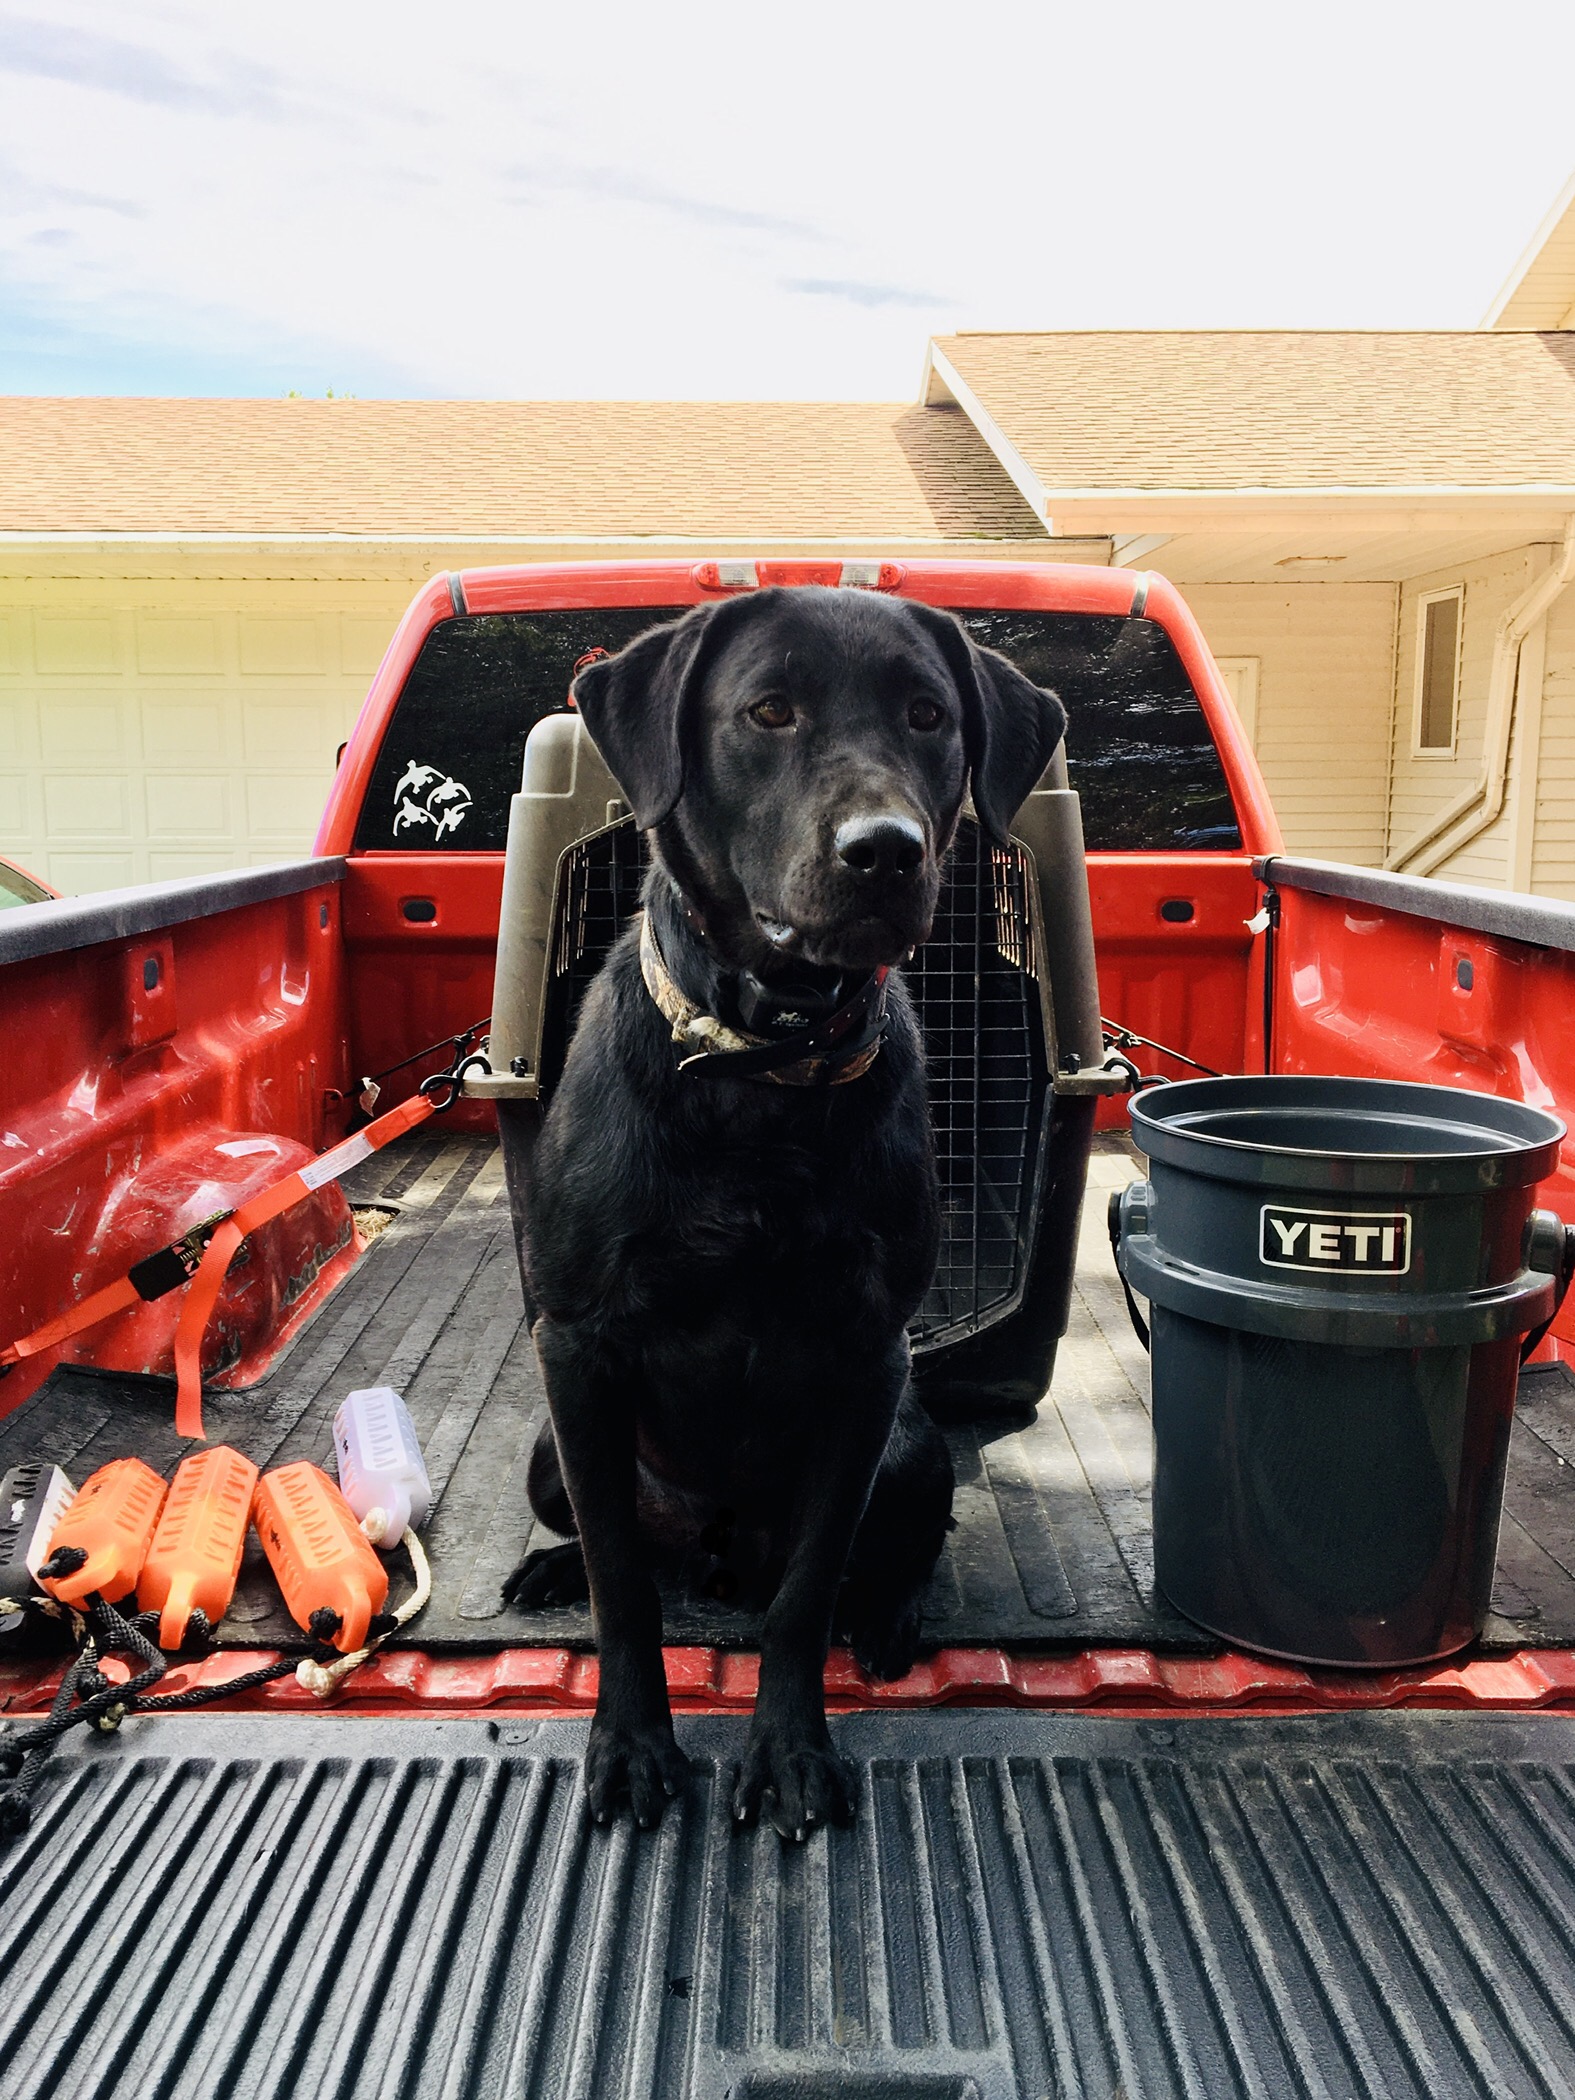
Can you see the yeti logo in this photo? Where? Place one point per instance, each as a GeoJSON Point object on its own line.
{"type": "Point", "coordinates": [426, 796]}
{"type": "Point", "coordinates": [1363, 1243]}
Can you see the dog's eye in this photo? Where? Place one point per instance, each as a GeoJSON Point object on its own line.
{"type": "Point", "coordinates": [772, 714]}
{"type": "Point", "coordinates": [925, 714]}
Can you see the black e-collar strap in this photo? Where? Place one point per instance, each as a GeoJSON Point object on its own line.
{"type": "Point", "coordinates": [846, 1032]}
{"type": "Point", "coordinates": [839, 1046]}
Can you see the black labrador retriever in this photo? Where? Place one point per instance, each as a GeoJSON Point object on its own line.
{"type": "Point", "coordinates": [733, 1211]}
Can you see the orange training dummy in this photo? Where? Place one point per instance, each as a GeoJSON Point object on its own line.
{"type": "Point", "coordinates": [112, 1521]}
{"type": "Point", "coordinates": [318, 1551]}
{"type": "Point", "coordinates": [196, 1551]}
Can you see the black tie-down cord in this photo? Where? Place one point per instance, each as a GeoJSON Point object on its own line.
{"type": "Point", "coordinates": [87, 1698]}
{"type": "Point", "coordinates": [363, 1095]}
{"type": "Point", "coordinates": [1119, 1037]}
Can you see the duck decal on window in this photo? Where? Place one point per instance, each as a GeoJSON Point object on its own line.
{"type": "Point", "coordinates": [426, 795]}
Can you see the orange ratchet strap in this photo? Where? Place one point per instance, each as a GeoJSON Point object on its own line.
{"type": "Point", "coordinates": [154, 1278]}
{"type": "Point", "coordinates": [209, 1280]}
{"type": "Point", "coordinates": [202, 1257]}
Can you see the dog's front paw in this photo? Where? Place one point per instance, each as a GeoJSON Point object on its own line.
{"type": "Point", "coordinates": [642, 1767]}
{"type": "Point", "coordinates": [795, 1784]}
{"type": "Point", "coordinates": [551, 1575]}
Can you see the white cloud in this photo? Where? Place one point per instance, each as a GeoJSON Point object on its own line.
{"type": "Point", "coordinates": [619, 200]}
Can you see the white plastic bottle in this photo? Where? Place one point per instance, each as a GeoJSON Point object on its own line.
{"type": "Point", "coordinates": [380, 1462]}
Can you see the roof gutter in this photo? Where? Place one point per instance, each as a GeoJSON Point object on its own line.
{"type": "Point", "coordinates": [942, 378]}
{"type": "Point", "coordinates": [1512, 293]}
{"type": "Point", "coordinates": [1481, 803]}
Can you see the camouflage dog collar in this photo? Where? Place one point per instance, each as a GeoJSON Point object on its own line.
{"type": "Point", "coordinates": [840, 1048]}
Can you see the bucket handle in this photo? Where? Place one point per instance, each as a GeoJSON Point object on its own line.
{"type": "Point", "coordinates": [1550, 1238]}
{"type": "Point", "coordinates": [1546, 1235]}
{"type": "Point", "coordinates": [1114, 1213]}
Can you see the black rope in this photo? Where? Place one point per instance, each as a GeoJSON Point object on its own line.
{"type": "Point", "coordinates": [456, 1043]}
{"type": "Point", "coordinates": [64, 1561]}
{"type": "Point", "coordinates": [1119, 1037]}
{"type": "Point", "coordinates": [452, 1077]}
{"type": "Point", "coordinates": [104, 1705]}
{"type": "Point", "coordinates": [16, 1796]}
{"type": "Point", "coordinates": [109, 1633]}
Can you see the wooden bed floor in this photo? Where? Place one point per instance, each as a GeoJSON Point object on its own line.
{"type": "Point", "coordinates": [1053, 1546]}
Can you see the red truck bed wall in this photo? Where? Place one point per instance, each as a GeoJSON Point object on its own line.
{"type": "Point", "coordinates": [1191, 984]}
{"type": "Point", "coordinates": [169, 1050]}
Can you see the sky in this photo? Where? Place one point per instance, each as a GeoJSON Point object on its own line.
{"type": "Point", "coordinates": [739, 201]}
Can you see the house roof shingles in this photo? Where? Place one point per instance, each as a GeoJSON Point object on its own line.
{"type": "Point", "coordinates": [499, 469]}
{"type": "Point", "coordinates": [1279, 409]}
{"type": "Point", "coordinates": [1106, 411]}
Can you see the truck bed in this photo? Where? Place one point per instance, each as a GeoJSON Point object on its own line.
{"type": "Point", "coordinates": [392, 1901]}
{"type": "Point", "coordinates": [1052, 1547]}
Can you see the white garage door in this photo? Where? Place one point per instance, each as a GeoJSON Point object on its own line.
{"type": "Point", "coordinates": [151, 729]}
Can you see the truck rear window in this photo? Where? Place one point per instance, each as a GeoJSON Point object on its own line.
{"type": "Point", "coordinates": [1138, 748]}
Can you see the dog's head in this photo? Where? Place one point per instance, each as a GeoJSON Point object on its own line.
{"type": "Point", "coordinates": [802, 756]}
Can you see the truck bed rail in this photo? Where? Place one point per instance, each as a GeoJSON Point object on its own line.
{"type": "Point", "coordinates": [1513, 915]}
{"type": "Point", "coordinates": [148, 907]}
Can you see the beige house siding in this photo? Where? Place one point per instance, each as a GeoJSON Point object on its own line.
{"type": "Point", "coordinates": [1421, 786]}
{"type": "Point", "coordinates": [160, 726]}
{"type": "Point", "coordinates": [1325, 657]}
{"type": "Point", "coordinates": [1553, 843]}
{"type": "Point", "coordinates": [193, 593]}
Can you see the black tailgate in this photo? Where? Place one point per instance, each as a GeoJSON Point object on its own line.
{"type": "Point", "coordinates": [1028, 1904]}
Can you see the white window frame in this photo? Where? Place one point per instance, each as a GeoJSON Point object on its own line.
{"type": "Point", "coordinates": [1444, 752]}
{"type": "Point", "coordinates": [1240, 674]}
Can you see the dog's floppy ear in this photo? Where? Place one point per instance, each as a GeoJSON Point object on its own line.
{"type": "Point", "coordinates": [1010, 725]}
{"type": "Point", "coordinates": [633, 704]}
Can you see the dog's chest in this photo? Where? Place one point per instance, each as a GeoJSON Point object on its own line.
{"type": "Point", "coordinates": [758, 1233]}
{"type": "Point", "coordinates": [733, 1403]}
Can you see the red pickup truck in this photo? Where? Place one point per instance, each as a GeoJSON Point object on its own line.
{"type": "Point", "coordinates": [1095, 1853]}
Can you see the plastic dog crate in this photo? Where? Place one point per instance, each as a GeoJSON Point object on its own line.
{"type": "Point", "coordinates": [1006, 994]}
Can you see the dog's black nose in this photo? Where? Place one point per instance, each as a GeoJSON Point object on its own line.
{"type": "Point", "coordinates": [887, 845]}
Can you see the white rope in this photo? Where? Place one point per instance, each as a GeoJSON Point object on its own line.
{"type": "Point", "coordinates": [321, 1678]}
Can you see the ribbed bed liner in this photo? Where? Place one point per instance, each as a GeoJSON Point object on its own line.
{"type": "Point", "coordinates": [1026, 1905]}
{"type": "Point", "coordinates": [1052, 1546]}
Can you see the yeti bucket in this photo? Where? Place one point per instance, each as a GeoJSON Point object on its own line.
{"type": "Point", "coordinates": [1343, 1278]}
